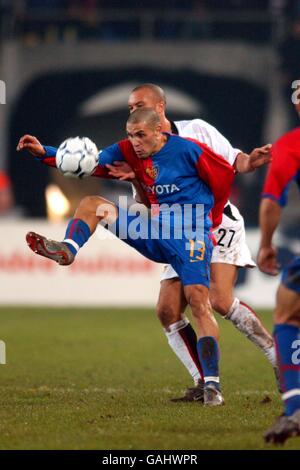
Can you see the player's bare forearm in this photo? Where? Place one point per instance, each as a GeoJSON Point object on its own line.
{"type": "Point", "coordinates": [246, 163]}
{"type": "Point", "coordinates": [32, 144]}
{"type": "Point", "coordinates": [241, 162]}
{"type": "Point", "coordinates": [269, 217]}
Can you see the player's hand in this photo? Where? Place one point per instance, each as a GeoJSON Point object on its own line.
{"type": "Point", "coordinates": [260, 156]}
{"type": "Point", "coordinates": [121, 170]}
{"type": "Point", "coordinates": [267, 260]}
{"type": "Point", "coordinates": [32, 144]}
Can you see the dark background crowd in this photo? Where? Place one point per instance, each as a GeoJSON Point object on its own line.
{"type": "Point", "coordinates": [117, 19]}
{"type": "Point", "coordinates": [271, 24]}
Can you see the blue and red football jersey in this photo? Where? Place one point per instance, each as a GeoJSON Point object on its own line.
{"type": "Point", "coordinates": [184, 171]}
{"type": "Point", "coordinates": [284, 168]}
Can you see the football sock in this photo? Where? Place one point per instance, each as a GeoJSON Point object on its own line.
{"type": "Point", "coordinates": [246, 321]}
{"type": "Point", "coordinates": [287, 340]}
{"type": "Point", "coordinates": [77, 234]}
{"type": "Point", "coordinates": [183, 340]}
{"type": "Point", "coordinates": [208, 352]}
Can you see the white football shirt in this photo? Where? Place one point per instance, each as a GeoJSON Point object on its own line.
{"type": "Point", "coordinates": [209, 135]}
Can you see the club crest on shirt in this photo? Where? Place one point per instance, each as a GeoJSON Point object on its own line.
{"type": "Point", "coordinates": [152, 172]}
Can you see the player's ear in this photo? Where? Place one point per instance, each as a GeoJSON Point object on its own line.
{"type": "Point", "coordinates": [158, 127]}
{"type": "Point", "coordinates": [160, 107]}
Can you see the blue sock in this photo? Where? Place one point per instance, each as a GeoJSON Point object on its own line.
{"type": "Point", "coordinates": [77, 233]}
{"type": "Point", "coordinates": [287, 340]}
{"type": "Point", "coordinates": [208, 352]}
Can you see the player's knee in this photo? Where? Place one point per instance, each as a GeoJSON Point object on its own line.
{"type": "Point", "coordinates": [197, 297]}
{"type": "Point", "coordinates": [287, 306]}
{"type": "Point", "coordinates": [221, 304]}
{"type": "Point", "coordinates": [167, 314]}
{"type": "Point", "coordinates": [90, 203]}
{"type": "Point", "coordinates": [97, 206]}
{"type": "Point", "coordinates": [286, 315]}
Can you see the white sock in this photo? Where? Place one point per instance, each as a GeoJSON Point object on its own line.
{"type": "Point", "coordinates": [245, 320]}
{"type": "Point", "coordinates": [182, 339]}
{"type": "Point", "coordinates": [72, 243]}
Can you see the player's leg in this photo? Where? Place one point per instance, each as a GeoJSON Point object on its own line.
{"type": "Point", "coordinates": [287, 340]}
{"type": "Point", "coordinates": [208, 335]}
{"type": "Point", "coordinates": [223, 278]}
{"type": "Point", "coordinates": [230, 253]}
{"type": "Point", "coordinates": [191, 258]}
{"type": "Point", "coordinates": [171, 302]}
{"type": "Point", "coordinates": [90, 212]}
{"type": "Point", "coordinates": [180, 334]}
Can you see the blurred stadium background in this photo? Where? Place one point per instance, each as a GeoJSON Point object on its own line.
{"type": "Point", "coordinates": [68, 67]}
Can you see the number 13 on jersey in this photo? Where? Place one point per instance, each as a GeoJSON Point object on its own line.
{"type": "Point", "coordinates": [197, 250]}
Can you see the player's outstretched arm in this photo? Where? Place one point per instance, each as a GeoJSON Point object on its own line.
{"type": "Point", "coordinates": [115, 169]}
{"type": "Point", "coordinates": [32, 144]}
{"type": "Point", "coordinates": [47, 154]}
{"type": "Point", "coordinates": [245, 163]}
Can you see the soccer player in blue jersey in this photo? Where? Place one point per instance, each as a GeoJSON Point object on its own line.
{"type": "Point", "coordinates": [171, 170]}
{"type": "Point", "coordinates": [285, 168]}
{"type": "Point", "coordinates": [227, 255]}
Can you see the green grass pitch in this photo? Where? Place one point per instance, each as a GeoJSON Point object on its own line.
{"type": "Point", "coordinates": [103, 379]}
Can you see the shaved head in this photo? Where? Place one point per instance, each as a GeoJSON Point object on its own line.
{"type": "Point", "coordinates": [156, 91]}
{"type": "Point", "coordinates": [145, 115]}
{"type": "Point", "coordinates": [149, 95]}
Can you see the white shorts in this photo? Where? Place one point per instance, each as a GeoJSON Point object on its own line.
{"type": "Point", "coordinates": [231, 245]}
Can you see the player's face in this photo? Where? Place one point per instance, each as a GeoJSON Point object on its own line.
{"type": "Point", "coordinates": [144, 99]}
{"type": "Point", "coordinates": [144, 139]}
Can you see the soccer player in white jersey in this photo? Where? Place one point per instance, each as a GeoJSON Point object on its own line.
{"type": "Point", "coordinates": [229, 254]}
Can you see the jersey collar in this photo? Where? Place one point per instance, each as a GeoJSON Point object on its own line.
{"type": "Point", "coordinates": [174, 128]}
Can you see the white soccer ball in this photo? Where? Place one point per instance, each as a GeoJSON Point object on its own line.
{"type": "Point", "coordinates": [77, 157]}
